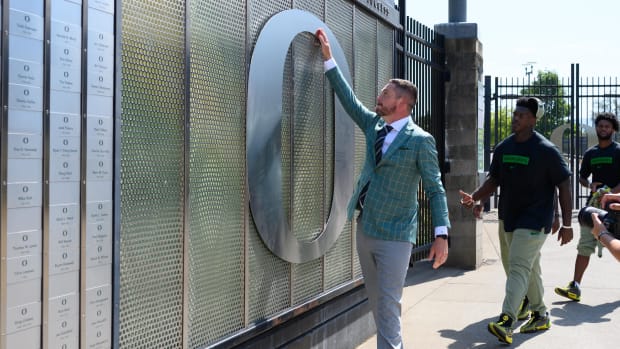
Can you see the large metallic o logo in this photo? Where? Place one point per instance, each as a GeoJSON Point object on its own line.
{"type": "Point", "coordinates": [263, 146]}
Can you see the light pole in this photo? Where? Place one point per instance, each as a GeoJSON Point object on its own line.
{"type": "Point", "coordinates": [529, 71]}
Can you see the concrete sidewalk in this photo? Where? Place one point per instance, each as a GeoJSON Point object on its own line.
{"type": "Point", "coordinates": [450, 308]}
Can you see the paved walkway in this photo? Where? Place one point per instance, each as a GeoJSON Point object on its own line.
{"type": "Point", "coordinates": [450, 308]}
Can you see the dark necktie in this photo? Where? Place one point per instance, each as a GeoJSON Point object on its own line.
{"type": "Point", "coordinates": [378, 154]}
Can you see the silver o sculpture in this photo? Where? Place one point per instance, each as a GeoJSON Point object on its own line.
{"type": "Point", "coordinates": [263, 145]}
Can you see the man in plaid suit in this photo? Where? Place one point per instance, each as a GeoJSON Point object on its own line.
{"type": "Point", "coordinates": [399, 154]}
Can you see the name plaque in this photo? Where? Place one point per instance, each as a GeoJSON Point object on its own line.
{"type": "Point", "coordinates": [20, 195]}
{"type": "Point", "coordinates": [24, 146]}
{"type": "Point", "coordinates": [25, 72]}
{"type": "Point", "coordinates": [99, 212]}
{"type": "Point", "coordinates": [25, 97]}
{"type": "Point", "coordinates": [99, 169]}
{"type": "Point", "coordinates": [24, 268]}
{"type": "Point", "coordinates": [101, 83]}
{"type": "Point", "coordinates": [63, 260]}
{"type": "Point", "coordinates": [65, 57]}
{"type": "Point", "coordinates": [23, 317]}
{"type": "Point", "coordinates": [64, 125]}
{"type": "Point", "coordinates": [23, 243]}
{"type": "Point", "coordinates": [65, 79]}
{"type": "Point", "coordinates": [25, 24]}
{"type": "Point", "coordinates": [64, 169]}
{"type": "Point", "coordinates": [99, 147]}
{"type": "Point", "coordinates": [66, 34]}
{"type": "Point", "coordinates": [99, 126]}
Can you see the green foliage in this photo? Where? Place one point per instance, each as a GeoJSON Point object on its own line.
{"type": "Point", "coordinates": [547, 87]}
{"type": "Point", "coordinates": [501, 125]}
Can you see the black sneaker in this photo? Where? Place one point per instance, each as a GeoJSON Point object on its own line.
{"type": "Point", "coordinates": [572, 291]}
{"type": "Point", "coordinates": [537, 323]}
{"type": "Point", "coordinates": [524, 310]}
{"type": "Point", "coordinates": [502, 329]}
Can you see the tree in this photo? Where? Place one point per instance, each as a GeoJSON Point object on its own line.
{"type": "Point", "coordinates": [547, 87]}
{"type": "Point", "coordinates": [502, 122]}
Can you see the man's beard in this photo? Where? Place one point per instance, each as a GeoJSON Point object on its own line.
{"type": "Point", "coordinates": [604, 138]}
{"type": "Point", "coordinates": [382, 111]}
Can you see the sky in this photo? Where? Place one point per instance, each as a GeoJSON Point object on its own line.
{"type": "Point", "coordinates": [551, 33]}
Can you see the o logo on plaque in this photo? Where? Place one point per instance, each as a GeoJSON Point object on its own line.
{"type": "Point", "coordinates": [25, 189]}
{"type": "Point", "coordinates": [24, 311]}
{"type": "Point", "coordinates": [65, 210]}
{"type": "Point", "coordinates": [25, 140]}
{"type": "Point", "coordinates": [65, 233]}
{"type": "Point", "coordinates": [64, 324]}
{"type": "Point", "coordinates": [25, 238]}
{"type": "Point", "coordinates": [98, 292]}
{"type": "Point", "coordinates": [263, 146]}
{"type": "Point", "coordinates": [66, 51]}
{"type": "Point", "coordinates": [66, 28]}
{"type": "Point", "coordinates": [26, 18]}
{"type": "Point", "coordinates": [65, 164]}
{"type": "Point", "coordinates": [25, 263]}
{"type": "Point", "coordinates": [26, 67]}
{"type": "Point", "coordinates": [26, 92]}
{"type": "Point", "coordinates": [66, 74]}
{"type": "Point", "coordinates": [63, 301]}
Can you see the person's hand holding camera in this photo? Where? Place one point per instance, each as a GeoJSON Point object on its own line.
{"type": "Point", "coordinates": [600, 231]}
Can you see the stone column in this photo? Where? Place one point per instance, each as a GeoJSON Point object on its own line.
{"type": "Point", "coordinates": [464, 115]}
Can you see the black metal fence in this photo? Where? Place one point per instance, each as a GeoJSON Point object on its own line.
{"type": "Point", "coordinates": [571, 105]}
{"type": "Point", "coordinates": [420, 56]}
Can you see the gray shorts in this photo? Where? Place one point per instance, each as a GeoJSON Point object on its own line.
{"type": "Point", "coordinates": [587, 242]}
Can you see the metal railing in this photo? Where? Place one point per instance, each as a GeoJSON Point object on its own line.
{"type": "Point", "coordinates": [420, 56]}
{"type": "Point", "coordinates": [571, 104]}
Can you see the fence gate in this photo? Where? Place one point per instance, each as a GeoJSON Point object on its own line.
{"type": "Point", "coordinates": [571, 104]}
{"type": "Point", "coordinates": [420, 56]}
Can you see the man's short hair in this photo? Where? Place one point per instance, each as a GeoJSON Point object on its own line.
{"type": "Point", "coordinates": [533, 104]}
{"type": "Point", "coordinates": [607, 116]}
{"type": "Point", "coordinates": [407, 88]}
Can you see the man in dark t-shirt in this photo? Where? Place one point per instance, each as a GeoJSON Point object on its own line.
{"type": "Point", "coordinates": [602, 161]}
{"type": "Point", "coordinates": [527, 168]}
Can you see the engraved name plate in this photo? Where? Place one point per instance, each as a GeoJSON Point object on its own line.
{"type": "Point", "coordinates": [24, 146]}
{"type": "Point", "coordinates": [25, 97]}
{"type": "Point", "coordinates": [26, 194]}
{"type": "Point", "coordinates": [66, 34]}
{"type": "Point", "coordinates": [23, 243]}
{"type": "Point", "coordinates": [64, 125]}
{"type": "Point", "coordinates": [26, 24]}
{"type": "Point", "coordinates": [24, 268]}
{"type": "Point", "coordinates": [25, 72]}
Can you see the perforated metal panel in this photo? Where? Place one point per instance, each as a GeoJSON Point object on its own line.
{"type": "Point", "coordinates": [152, 170]}
{"type": "Point", "coordinates": [232, 279]}
{"type": "Point", "coordinates": [365, 59]}
{"type": "Point", "coordinates": [217, 169]}
{"type": "Point", "coordinates": [339, 259]}
{"type": "Point", "coordinates": [269, 276]}
{"type": "Point", "coordinates": [308, 142]}
{"type": "Point", "coordinates": [385, 54]}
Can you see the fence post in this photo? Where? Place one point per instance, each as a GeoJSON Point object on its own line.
{"type": "Point", "coordinates": [464, 110]}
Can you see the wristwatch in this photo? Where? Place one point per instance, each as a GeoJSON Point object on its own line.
{"type": "Point", "coordinates": [443, 236]}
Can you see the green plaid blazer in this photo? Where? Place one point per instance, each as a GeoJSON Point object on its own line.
{"type": "Point", "coordinates": [391, 204]}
